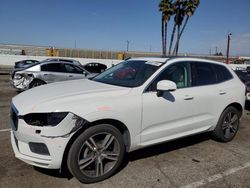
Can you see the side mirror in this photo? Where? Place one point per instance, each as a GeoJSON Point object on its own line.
{"type": "Point", "coordinates": [165, 85]}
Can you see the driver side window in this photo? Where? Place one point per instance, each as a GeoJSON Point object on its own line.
{"type": "Point", "coordinates": [179, 73]}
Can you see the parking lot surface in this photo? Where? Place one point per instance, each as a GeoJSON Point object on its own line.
{"type": "Point", "coordinates": [195, 161]}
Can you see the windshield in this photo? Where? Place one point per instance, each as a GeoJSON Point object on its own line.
{"type": "Point", "coordinates": [129, 73]}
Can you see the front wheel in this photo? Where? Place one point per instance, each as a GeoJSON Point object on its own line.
{"type": "Point", "coordinates": [36, 83]}
{"type": "Point", "coordinates": [228, 125]}
{"type": "Point", "coordinates": [96, 154]}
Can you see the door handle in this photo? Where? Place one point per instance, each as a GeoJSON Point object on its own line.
{"type": "Point", "coordinates": [70, 76]}
{"type": "Point", "coordinates": [45, 74]}
{"type": "Point", "coordinates": [222, 93]}
{"type": "Point", "coordinates": [188, 98]}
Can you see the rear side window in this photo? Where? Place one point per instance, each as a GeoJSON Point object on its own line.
{"type": "Point", "coordinates": [44, 68]}
{"type": "Point", "coordinates": [223, 73]}
{"type": "Point", "coordinates": [54, 67]}
{"type": "Point", "coordinates": [203, 74]}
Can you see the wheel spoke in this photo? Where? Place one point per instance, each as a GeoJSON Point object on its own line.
{"type": "Point", "coordinates": [233, 129]}
{"type": "Point", "coordinates": [93, 142]}
{"type": "Point", "coordinates": [229, 116]}
{"type": "Point", "coordinates": [107, 141]}
{"type": "Point", "coordinates": [224, 126]}
{"type": "Point", "coordinates": [111, 156]}
{"type": "Point", "coordinates": [90, 146]}
{"type": "Point", "coordinates": [99, 168]}
{"type": "Point", "coordinates": [83, 163]}
{"type": "Point", "coordinates": [234, 118]}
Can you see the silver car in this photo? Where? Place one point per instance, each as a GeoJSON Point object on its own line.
{"type": "Point", "coordinates": [47, 72]}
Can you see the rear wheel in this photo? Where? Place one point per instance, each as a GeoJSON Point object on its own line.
{"type": "Point", "coordinates": [36, 83]}
{"type": "Point", "coordinates": [228, 125]}
{"type": "Point", "coordinates": [96, 154]}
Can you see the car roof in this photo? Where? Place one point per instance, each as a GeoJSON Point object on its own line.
{"type": "Point", "coordinates": [184, 58]}
{"type": "Point", "coordinates": [158, 59]}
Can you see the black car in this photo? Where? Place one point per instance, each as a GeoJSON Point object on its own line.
{"type": "Point", "coordinates": [95, 67]}
{"type": "Point", "coordinates": [24, 63]}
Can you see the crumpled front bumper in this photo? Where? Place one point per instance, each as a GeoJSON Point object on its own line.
{"type": "Point", "coordinates": [21, 84]}
{"type": "Point", "coordinates": [55, 139]}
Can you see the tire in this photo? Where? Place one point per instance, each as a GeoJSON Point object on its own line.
{"type": "Point", "coordinates": [96, 154]}
{"type": "Point", "coordinates": [36, 83]}
{"type": "Point", "coordinates": [228, 125]}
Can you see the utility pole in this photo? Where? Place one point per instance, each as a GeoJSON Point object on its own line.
{"type": "Point", "coordinates": [216, 50]}
{"type": "Point", "coordinates": [228, 46]}
{"type": "Point", "coordinates": [127, 45]}
{"type": "Point", "coordinates": [75, 43]}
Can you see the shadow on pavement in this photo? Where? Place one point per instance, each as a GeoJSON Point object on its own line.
{"type": "Point", "coordinates": [55, 172]}
{"type": "Point", "coordinates": [168, 146]}
{"type": "Point", "coordinates": [140, 154]}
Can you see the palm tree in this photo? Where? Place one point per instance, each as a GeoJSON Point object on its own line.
{"type": "Point", "coordinates": [174, 27]}
{"type": "Point", "coordinates": [165, 6]}
{"type": "Point", "coordinates": [189, 8]}
{"type": "Point", "coordinates": [180, 7]}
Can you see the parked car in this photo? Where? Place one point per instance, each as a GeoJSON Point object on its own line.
{"type": "Point", "coordinates": [89, 125]}
{"type": "Point", "coordinates": [95, 67]}
{"type": "Point", "coordinates": [47, 72]}
{"type": "Point", "coordinates": [24, 63]}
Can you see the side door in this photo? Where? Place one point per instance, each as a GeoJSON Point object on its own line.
{"type": "Point", "coordinates": [209, 93]}
{"type": "Point", "coordinates": [172, 115]}
{"type": "Point", "coordinates": [73, 72]}
{"type": "Point", "coordinates": [52, 72]}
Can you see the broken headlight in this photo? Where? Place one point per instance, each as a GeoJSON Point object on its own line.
{"type": "Point", "coordinates": [17, 76]}
{"type": "Point", "coordinates": [44, 119]}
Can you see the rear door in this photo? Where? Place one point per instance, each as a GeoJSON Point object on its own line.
{"type": "Point", "coordinates": [52, 72]}
{"type": "Point", "coordinates": [209, 92]}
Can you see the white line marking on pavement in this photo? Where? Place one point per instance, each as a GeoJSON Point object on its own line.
{"type": "Point", "coordinates": [4, 130]}
{"type": "Point", "coordinates": [217, 176]}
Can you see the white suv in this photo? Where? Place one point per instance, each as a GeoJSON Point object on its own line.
{"type": "Point", "coordinates": [90, 124]}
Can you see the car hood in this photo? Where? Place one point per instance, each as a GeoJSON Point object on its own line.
{"type": "Point", "coordinates": [66, 96]}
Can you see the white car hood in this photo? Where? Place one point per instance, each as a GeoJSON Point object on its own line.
{"type": "Point", "coordinates": [66, 96]}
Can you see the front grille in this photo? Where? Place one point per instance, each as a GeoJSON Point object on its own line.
{"type": "Point", "coordinates": [13, 117]}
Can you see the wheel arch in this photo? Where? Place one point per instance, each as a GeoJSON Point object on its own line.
{"type": "Point", "coordinates": [236, 105]}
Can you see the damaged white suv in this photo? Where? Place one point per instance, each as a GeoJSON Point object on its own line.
{"type": "Point", "coordinates": [90, 124]}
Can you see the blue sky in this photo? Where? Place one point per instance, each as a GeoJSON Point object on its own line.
{"type": "Point", "coordinates": [108, 24]}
